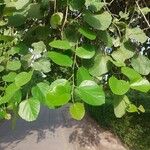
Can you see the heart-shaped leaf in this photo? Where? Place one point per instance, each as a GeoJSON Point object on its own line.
{"type": "Point", "coordinates": [23, 78]}
{"type": "Point", "coordinates": [118, 87]}
{"type": "Point", "coordinates": [91, 93]}
{"type": "Point", "coordinates": [29, 109]}
{"type": "Point", "coordinates": [59, 93]}
{"type": "Point", "coordinates": [100, 21]}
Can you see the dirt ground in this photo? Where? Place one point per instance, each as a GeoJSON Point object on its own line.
{"type": "Point", "coordinates": [55, 130]}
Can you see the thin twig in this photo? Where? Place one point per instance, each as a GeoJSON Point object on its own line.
{"type": "Point", "coordinates": [55, 5]}
{"type": "Point", "coordinates": [73, 78]}
{"type": "Point", "coordinates": [65, 20]}
{"type": "Point", "coordinates": [142, 14]}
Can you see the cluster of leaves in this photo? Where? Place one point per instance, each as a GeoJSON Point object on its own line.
{"type": "Point", "coordinates": [58, 52]}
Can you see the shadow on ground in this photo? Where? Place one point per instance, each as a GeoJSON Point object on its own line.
{"type": "Point", "coordinates": [55, 129]}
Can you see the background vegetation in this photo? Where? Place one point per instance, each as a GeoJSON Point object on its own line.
{"type": "Point", "coordinates": [80, 52]}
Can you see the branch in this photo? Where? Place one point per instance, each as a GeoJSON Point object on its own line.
{"type": "Point", "coordinates": [143, 14]}
{"type": "Point", "coordinates": [65, 20]}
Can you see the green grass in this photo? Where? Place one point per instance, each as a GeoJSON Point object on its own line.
{"type": "Point", "coordinates": [133, 129]}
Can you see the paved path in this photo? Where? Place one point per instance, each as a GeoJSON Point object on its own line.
{"type": "Point", "coordinates": [54, 130]}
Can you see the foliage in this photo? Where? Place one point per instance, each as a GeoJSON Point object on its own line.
{"type": "Point", "coordinates": [132, 129]}
{"type": "Point", "coordinates": [58, 52]}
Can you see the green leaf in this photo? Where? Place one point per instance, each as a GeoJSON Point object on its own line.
{"type": "Point", "coordinates": [1, 68]}
{"type": "Point", "coordinates": [16, 20]}
{"type": "Point", "coordinates": [94, 5]}
{"type": "Point", "coordinates": [77, 111]}
{"type": "Point", "coordinates": [87, 33]}
{"type": "Point", "coordinates": [60, 44]}
{"type": "Point", "coordinates": [56, 20]}
{"type": "Point", "coordinates": [100, 21]}
{"type": "Point", "coordinates": [42, 65]}
{"type": "Point", "coordinates": [91, 93]}
{"type": "Point", "coordinates": [9, 93]}
{"type": "Point", "coordinates": [82, 74]}
{"type": "Point", "coordinates": [13, 65]}
{"type": "Point", "coordinates": [141, 64]}
{"type": "Point", "coordinates": [60, 59]}
{"type": "Point", "coordinates": [145, 10]}
{"type": "Point", "coordinates": [6, 38]}
{"type": "Point", "coordinates": [2, 58]}
{"type": "Point", "coordinates": [118, 87]}
{"type": "Point", "coordinates": [123, 53]}
{"type": "Point", "coordinates": [132, 108]}
{"type": "Point", "coordinates": [117, 63]}
{"type": "Point", "coordinates": [137, 34]}
{"type": "Point", "coordinates": [13, 51]}
{"type": "Point", "coordinates": [85, 52]}
{"type": "Point", "coordinates": [120, 105]}
{"type": "Point", "coordinates": [34, 11]}
{"type": "Point", "coordinates": [29, 109]}
{"type": "Point", "coordinates": [9, 77]}
{"type": "Point", "coordinates": [105, 37]}
{"type": "Point", "coordinates": [74, 5]}
{"type": "Point", "coordinates": [19, 4]}
{"type": "Point", "coordinates": [16, 97]}
{"type": "Point", "coordinates": [131, 73]}
{"type": "Point", "coordinates": [40, 91]}
{"type": "Point", "coordinates": [59, 93]}
{"type": "Point", "coordinates": [23, 78]}
{"type": "Point", "coordinates": [142, 85]}
{"type": "Point", "coordinates": [141, 108]}
{"type": "Point", "coordinates": [67, 34]}
{"type": "Point", "coordinates": [39, 47]}
{"type": "Point", "coordinates": [100, 66]}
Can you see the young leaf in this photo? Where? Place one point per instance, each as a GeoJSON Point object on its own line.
{"type": "Point", "coordinates": [60, 59]}
{"type": "Point", "coordinates": [23, 78]}
{"type": "Point", "coordinates": [59, 93]}
{"type": "Point", "coordinates": [141, 108]}
{"type": "Point", "coordinates": [118, 87]}
{"type": "Point", "coordinates": [132, 108]}
{"type": "Point", "coordinates": [56, 20]}
{"type": "Point", "coordinates": [77, 111]}
{"type": "Point", "coordinates": [91, 93]}
{"type": "Point", "coordinates": [60, 44]}
{"type": "Point", "coordinates": [29, 109]}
